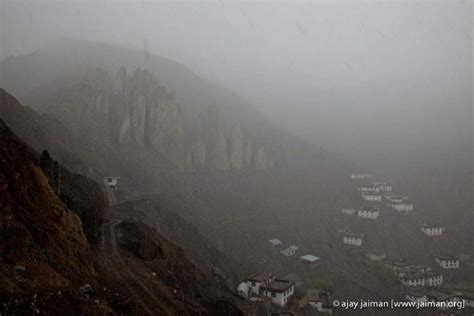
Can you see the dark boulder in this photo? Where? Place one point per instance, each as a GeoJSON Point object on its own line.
{"type": "Point", "coordinates": [82, 195]}
{"type": "Point", "coordinates": [138, 239]}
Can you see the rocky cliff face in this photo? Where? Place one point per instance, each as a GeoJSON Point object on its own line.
{"type": "Point", "coordinates": [224, 148]}
{"type": "Point", "coordinates": [80, 194]}
{"type": "Point", "coordinates": [136, 109]}
{"type": "Point", "coordinates": [145, 113]}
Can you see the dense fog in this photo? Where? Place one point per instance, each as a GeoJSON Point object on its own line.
{"type": "Point", "coordinates": [236, 157]}
{"type": "Point", "coordinates": [360, 78]}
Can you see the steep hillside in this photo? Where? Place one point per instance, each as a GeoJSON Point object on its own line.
{"type": "Point", "coordinates": [42, 242]}
{"type": "Point", "coordinates": [167, 221]}
{"type": "Point", "coordinates": [48, 266]}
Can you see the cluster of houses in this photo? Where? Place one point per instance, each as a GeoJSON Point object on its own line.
{"type": "Point", "coordinates": [292, 250]}
{"type": "Point", "coordinates": [369, 212]}
{"type": "Point", "coordinates": [379, 194]}
{"type": "Point", "coordinates": [399, 203]}
{"type": "Point", "coordinates": [265, 286]}
{"type": "Point", "coordinates": [380, 191]}
{"type": "Point", "coordinates": [441, 295]}
{"type": "Point", "coordinates": [287, 252]}
{"type": "Point", "coordinates": [415, 275]}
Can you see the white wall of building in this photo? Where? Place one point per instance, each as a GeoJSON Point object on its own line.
{"type": "Point", "coordinates": [254, 287]}
{"type": "Point", "coordinates": [348, 211]}
{"type": "Point", "coordinates": [368, 214]}
{"type": "Point", "coordinates": [352, 241]}
{"type": "Point", "coordinates": [436, 280]}
{"type": "Point", "coordinates": [413, 282]}
{"type": "Point", "coordinates": [448, 264]}
{"type": "Point", "coordinates": [433, 231]}
{"type": "Point", "coordinates": [280, 298]}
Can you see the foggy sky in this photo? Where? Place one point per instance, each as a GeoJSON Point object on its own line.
{"type": "Point", "coordinates": [336, 72]}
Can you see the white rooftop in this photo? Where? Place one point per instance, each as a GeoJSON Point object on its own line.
{"type": "Point", "coordinates": [275, 241]}
{"type": "Point", "coordinates": [310, 258]}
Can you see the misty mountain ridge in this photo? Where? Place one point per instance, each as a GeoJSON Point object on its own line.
{"type": "Point", "coordinates": [205, 125]}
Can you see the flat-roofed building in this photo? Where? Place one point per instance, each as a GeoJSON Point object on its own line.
{"type": "Point", "coordinates": [447, 262]}
{"type": "Point", "coordinates": [434, 278]}
{"type": "Point", "coordinates": [432, 230]}
{"type": "Point", "coordinates": [256, 280]}
{"type": "Point", "coordinates": [372, 196]}
{"type": "Point", "coordinates": [279, 291]}
{"type": "Point", "coordinates": [348, 210]}
{"type": "Point", "coordinates": [375, 255]}
{"type": "Point", "coordinates": [290, 251]}
{"type": "Point", "coordinates": [308, 259]}
{"type": "Point", "coordinates": [412, 279]}
{"type": "Point", "coordinates": [361, 176]}
{"type": "Point", "coordinates": [353, 239]}
{"type": "Point", "coordinates": [275, 242]}
{"type": "Point", "coordinates": [369, 212]}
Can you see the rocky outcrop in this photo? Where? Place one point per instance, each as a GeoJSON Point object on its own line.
{"type": "Point", "coordinates": [218, 147]}
{"type": "Point", "coordinates": [37, 231]}
{"type": "Point", "coordinates": [82, 195]}
{"type": "Point", "coordinates": [137, 238]}
{"type": "Point", "coordinates": [136, 109]}
{"type": "Point", "coordinates": [141, 111]}
{"type": "Point", "coordinates": [215, 140]}
{"type": "Point", "coordinates": [147, 114]}
{"type": "Point", "coordinates": [236, 148]}
{"type": "Point", "coordinates": [263, 161]}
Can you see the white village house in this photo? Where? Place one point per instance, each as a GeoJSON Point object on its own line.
{"type": "Point", "coordinates": [275, 242]}
{"type": "Point", "coordinates": [361, 176]}
{"type": "Point", "coordinates": [398, 266]}
{"type": "Point", "coordinates": [372, 196]}
{"type": "Point", "coordinates": [368, 188]}
{"type": "Point", "coordinates": [413, 279]}
{"type": "Point", "coordinates": [375, 255]}
{"type": "Point", "coordinates": [256, 280]}
{"type": "Point", "coordinates": [383, 186]}
{"type": "Point", "coordinates": [264, 284]}
{"type": "Point", "coordinates": [111, 183]}
{"type": "Point", "coordinates": [434, 278]}
{"type": "Point", "coordinates": [368, 212]}
{"type": "Point", "coordinates": [290, 251]}
{"type": "Point", "coordinates": [399, 203]}
{"type": "Point", "coordinates": [353, 239]}
{"type": "Point", "coordinates": [415, 275]}
{"type": "Point", "coordinates": [432, 230]}
{"type": "Point", "coordinates": [308, 259]}
{"type": "Point", "coordinates": [279, 291]}
{"type": "Point", "coordinates": [447, 262]}
{"type": "Point", "coordinates": [419, 278]}
{"type": "Point", "coordinates": [348, 210]}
